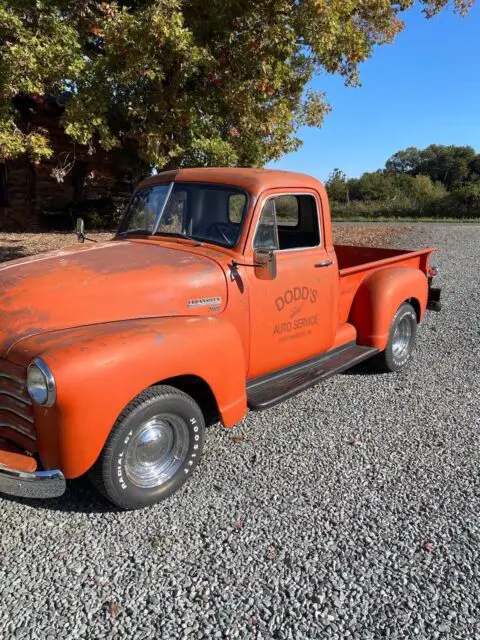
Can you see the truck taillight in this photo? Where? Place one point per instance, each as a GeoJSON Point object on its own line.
{"type": "Point", "coordinates": [432, 271]}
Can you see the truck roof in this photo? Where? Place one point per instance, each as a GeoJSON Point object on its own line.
{"type": "Point", "coordinates": [255, 181]}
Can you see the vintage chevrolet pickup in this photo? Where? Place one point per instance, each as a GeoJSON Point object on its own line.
{"type": "Point", "coordinates": [221, 290]}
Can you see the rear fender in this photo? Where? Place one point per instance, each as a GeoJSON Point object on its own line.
{"type": "Point", "coordinates": [379, 296]}
{"type": "Point", "coordinates": [99, 369]}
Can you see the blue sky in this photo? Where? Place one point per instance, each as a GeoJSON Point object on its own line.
{"type": "Point", "coordinates": [422, 89]}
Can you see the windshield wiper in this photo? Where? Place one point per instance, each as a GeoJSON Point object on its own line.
{"type": "Point", "coordinates": [129, 232]}
{"type": "Point", "coordinates": [178, 234]}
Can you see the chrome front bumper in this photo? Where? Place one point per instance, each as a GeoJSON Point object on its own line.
{"type": "Point", "coordinates": [36, 484]}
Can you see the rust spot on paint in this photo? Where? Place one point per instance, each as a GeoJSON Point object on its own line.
{"type": "Point", "coordinates": [111, 282]}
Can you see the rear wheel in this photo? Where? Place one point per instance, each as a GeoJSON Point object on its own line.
{"type": "Point", "coordinates": [152, 449]}
{"type": "Point", "coordinates": [401, 342]}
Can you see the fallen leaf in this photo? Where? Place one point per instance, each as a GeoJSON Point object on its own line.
{"type": "Point", "coordinates": [113, 609]}
{"type": "Point", "coordinates": [355, 442]}
{"type": "Point", "coordinates": [238, 439]}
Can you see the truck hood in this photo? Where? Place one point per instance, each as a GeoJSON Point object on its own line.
{"type": "Point", "coordinates": [108, 282]}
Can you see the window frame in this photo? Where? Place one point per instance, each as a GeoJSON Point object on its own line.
{"type": "Point", "coordinates": [319, 212]}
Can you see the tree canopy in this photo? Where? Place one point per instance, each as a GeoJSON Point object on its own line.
{"type": "Point", "coordinates": [185, 82]}
{"type": "Point", "coordinates": [451, 165]}
{"type": "Point", "coordinates": [439, 180]}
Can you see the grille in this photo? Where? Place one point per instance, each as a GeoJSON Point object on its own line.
{"type": "Point", "coordinates": [16, 411]}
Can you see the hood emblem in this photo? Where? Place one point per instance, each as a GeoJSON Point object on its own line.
{"type": "Point", "coordinates": [205, 302]}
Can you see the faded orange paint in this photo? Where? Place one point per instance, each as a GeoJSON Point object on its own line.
{"type": "Point", "coordinates": [14, 458]}
{"type": "Point", "coordinates": [113, 319]}
{"type": "Point", "coordinates": [355, 277]}
{"type": "Point", "coordinates": [108, 282]}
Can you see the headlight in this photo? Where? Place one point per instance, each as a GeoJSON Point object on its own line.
{"type": "Point", "coordinates": [41, 384]}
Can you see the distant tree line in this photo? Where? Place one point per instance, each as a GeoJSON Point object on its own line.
{"type": "Point", "coordinates": [439, 181]}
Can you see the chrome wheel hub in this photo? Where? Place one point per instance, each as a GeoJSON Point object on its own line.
{"type": "Point", "coordinates": [156, 451]}
{"type": "Point", "coordinates": [401, 338]}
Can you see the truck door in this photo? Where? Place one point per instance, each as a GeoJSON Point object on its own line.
{"type": "Point", "coordinates": [294, 316]}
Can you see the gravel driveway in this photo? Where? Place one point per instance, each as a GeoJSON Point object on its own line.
{"type": "Point", "coordinates": [351, 511]}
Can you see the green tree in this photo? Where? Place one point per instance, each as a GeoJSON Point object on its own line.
{"type": "Point", "coordinates": [337, 186]}
{"type": "Point", "coordinates": [405, 162]}
{"type": "Point", "coordinates": [451, 165]}
{"type": "Point", "coordinates": [371, 187]}
{"type": "Point", "coordinates": [474, 167]}
{"type": "Point", "coordinates": [185, 82]}
{"type": "Point", "coordinates": [467, 198]}
{"type": "Point", "coordinates": [447, 164]}
{"type": "Point", "coordinates": [425, 192]}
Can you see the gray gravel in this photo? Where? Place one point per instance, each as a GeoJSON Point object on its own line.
{"type": "Point", "coordinates": [351, 511]}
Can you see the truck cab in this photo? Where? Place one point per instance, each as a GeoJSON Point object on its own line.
{"type": "Point", "coordinates": [221, 291]}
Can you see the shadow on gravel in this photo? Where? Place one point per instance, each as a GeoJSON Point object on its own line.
{"type": "Point", "coordinates": [362, 369]}
{"type": "Point", "coordinates": [80, 497]}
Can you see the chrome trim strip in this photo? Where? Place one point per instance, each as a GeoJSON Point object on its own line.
{"type": "Point", "coordinates": [12, 427]}
{"type": "Point", "coordinates": [31, 475]}
{"type": "Point", "coordinates": [14, 378]}
{"type": "Point", "coordinates": [17, 413]}
{"type": "Point", "coordinates": [51, 387]}
{"type": "Point", "coordinates": [162, 210]}
{"type": "Point", "coordinates": [28, 484]}
{"type": "Point", "coordinates": [26, 401]}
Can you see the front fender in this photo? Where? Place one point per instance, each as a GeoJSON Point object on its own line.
{"type": "Point", "coordinates": [99, 369]}
{"type": "Point", "coordinates": [379, 296]}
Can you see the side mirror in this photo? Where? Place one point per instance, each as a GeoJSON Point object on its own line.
{"type": "Point", "coordinates": [265, 264]}
{"type": "Point", "coordinates": [80, 229]}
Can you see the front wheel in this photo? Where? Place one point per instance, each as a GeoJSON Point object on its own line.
{"type": "Point", "coordinates": [152, 449]}
{"type": "Point", "coordinates": [401, 342]}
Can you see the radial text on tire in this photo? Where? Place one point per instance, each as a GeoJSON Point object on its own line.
{"type": "Point", "coordinates": [152, 449]}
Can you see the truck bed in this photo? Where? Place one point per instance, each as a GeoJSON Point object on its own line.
{"type": "Point", "coordinates": [355, 263]}
{"type": "Point", "coordinates": [352, 259]}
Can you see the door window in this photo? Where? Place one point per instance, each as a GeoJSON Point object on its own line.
{"type": "Point", "coordinates": [288, 211]}
{"type": "Point", "coordinates": [288, 222]}
{"type": "Point", "coordinates": [266, 236]}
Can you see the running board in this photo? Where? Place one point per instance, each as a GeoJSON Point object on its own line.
{"type": "Point", "coordinates": [267, 391]}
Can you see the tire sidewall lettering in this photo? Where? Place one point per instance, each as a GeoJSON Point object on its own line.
{"type": "Point", "coordinates": [191, 460]}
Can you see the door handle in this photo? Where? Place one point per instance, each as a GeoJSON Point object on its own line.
{"type": "Point", "coordinates": [325, 263]}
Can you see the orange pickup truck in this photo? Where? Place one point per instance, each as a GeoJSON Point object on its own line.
{"type": "Point", "coordinates": [221, 290]}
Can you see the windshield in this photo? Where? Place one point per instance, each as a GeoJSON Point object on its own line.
{"type": "Point", "coordinates": [206, 213]}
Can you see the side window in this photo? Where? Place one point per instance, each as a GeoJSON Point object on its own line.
{"type": "Point", "coordinates": [266, 234]}
{"type": "Point", "coordinates": [297, 219]}
{"type": "Point", "coordinates": [287, 210]}
{"type": "Point", "coordinates": [288, 222]}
